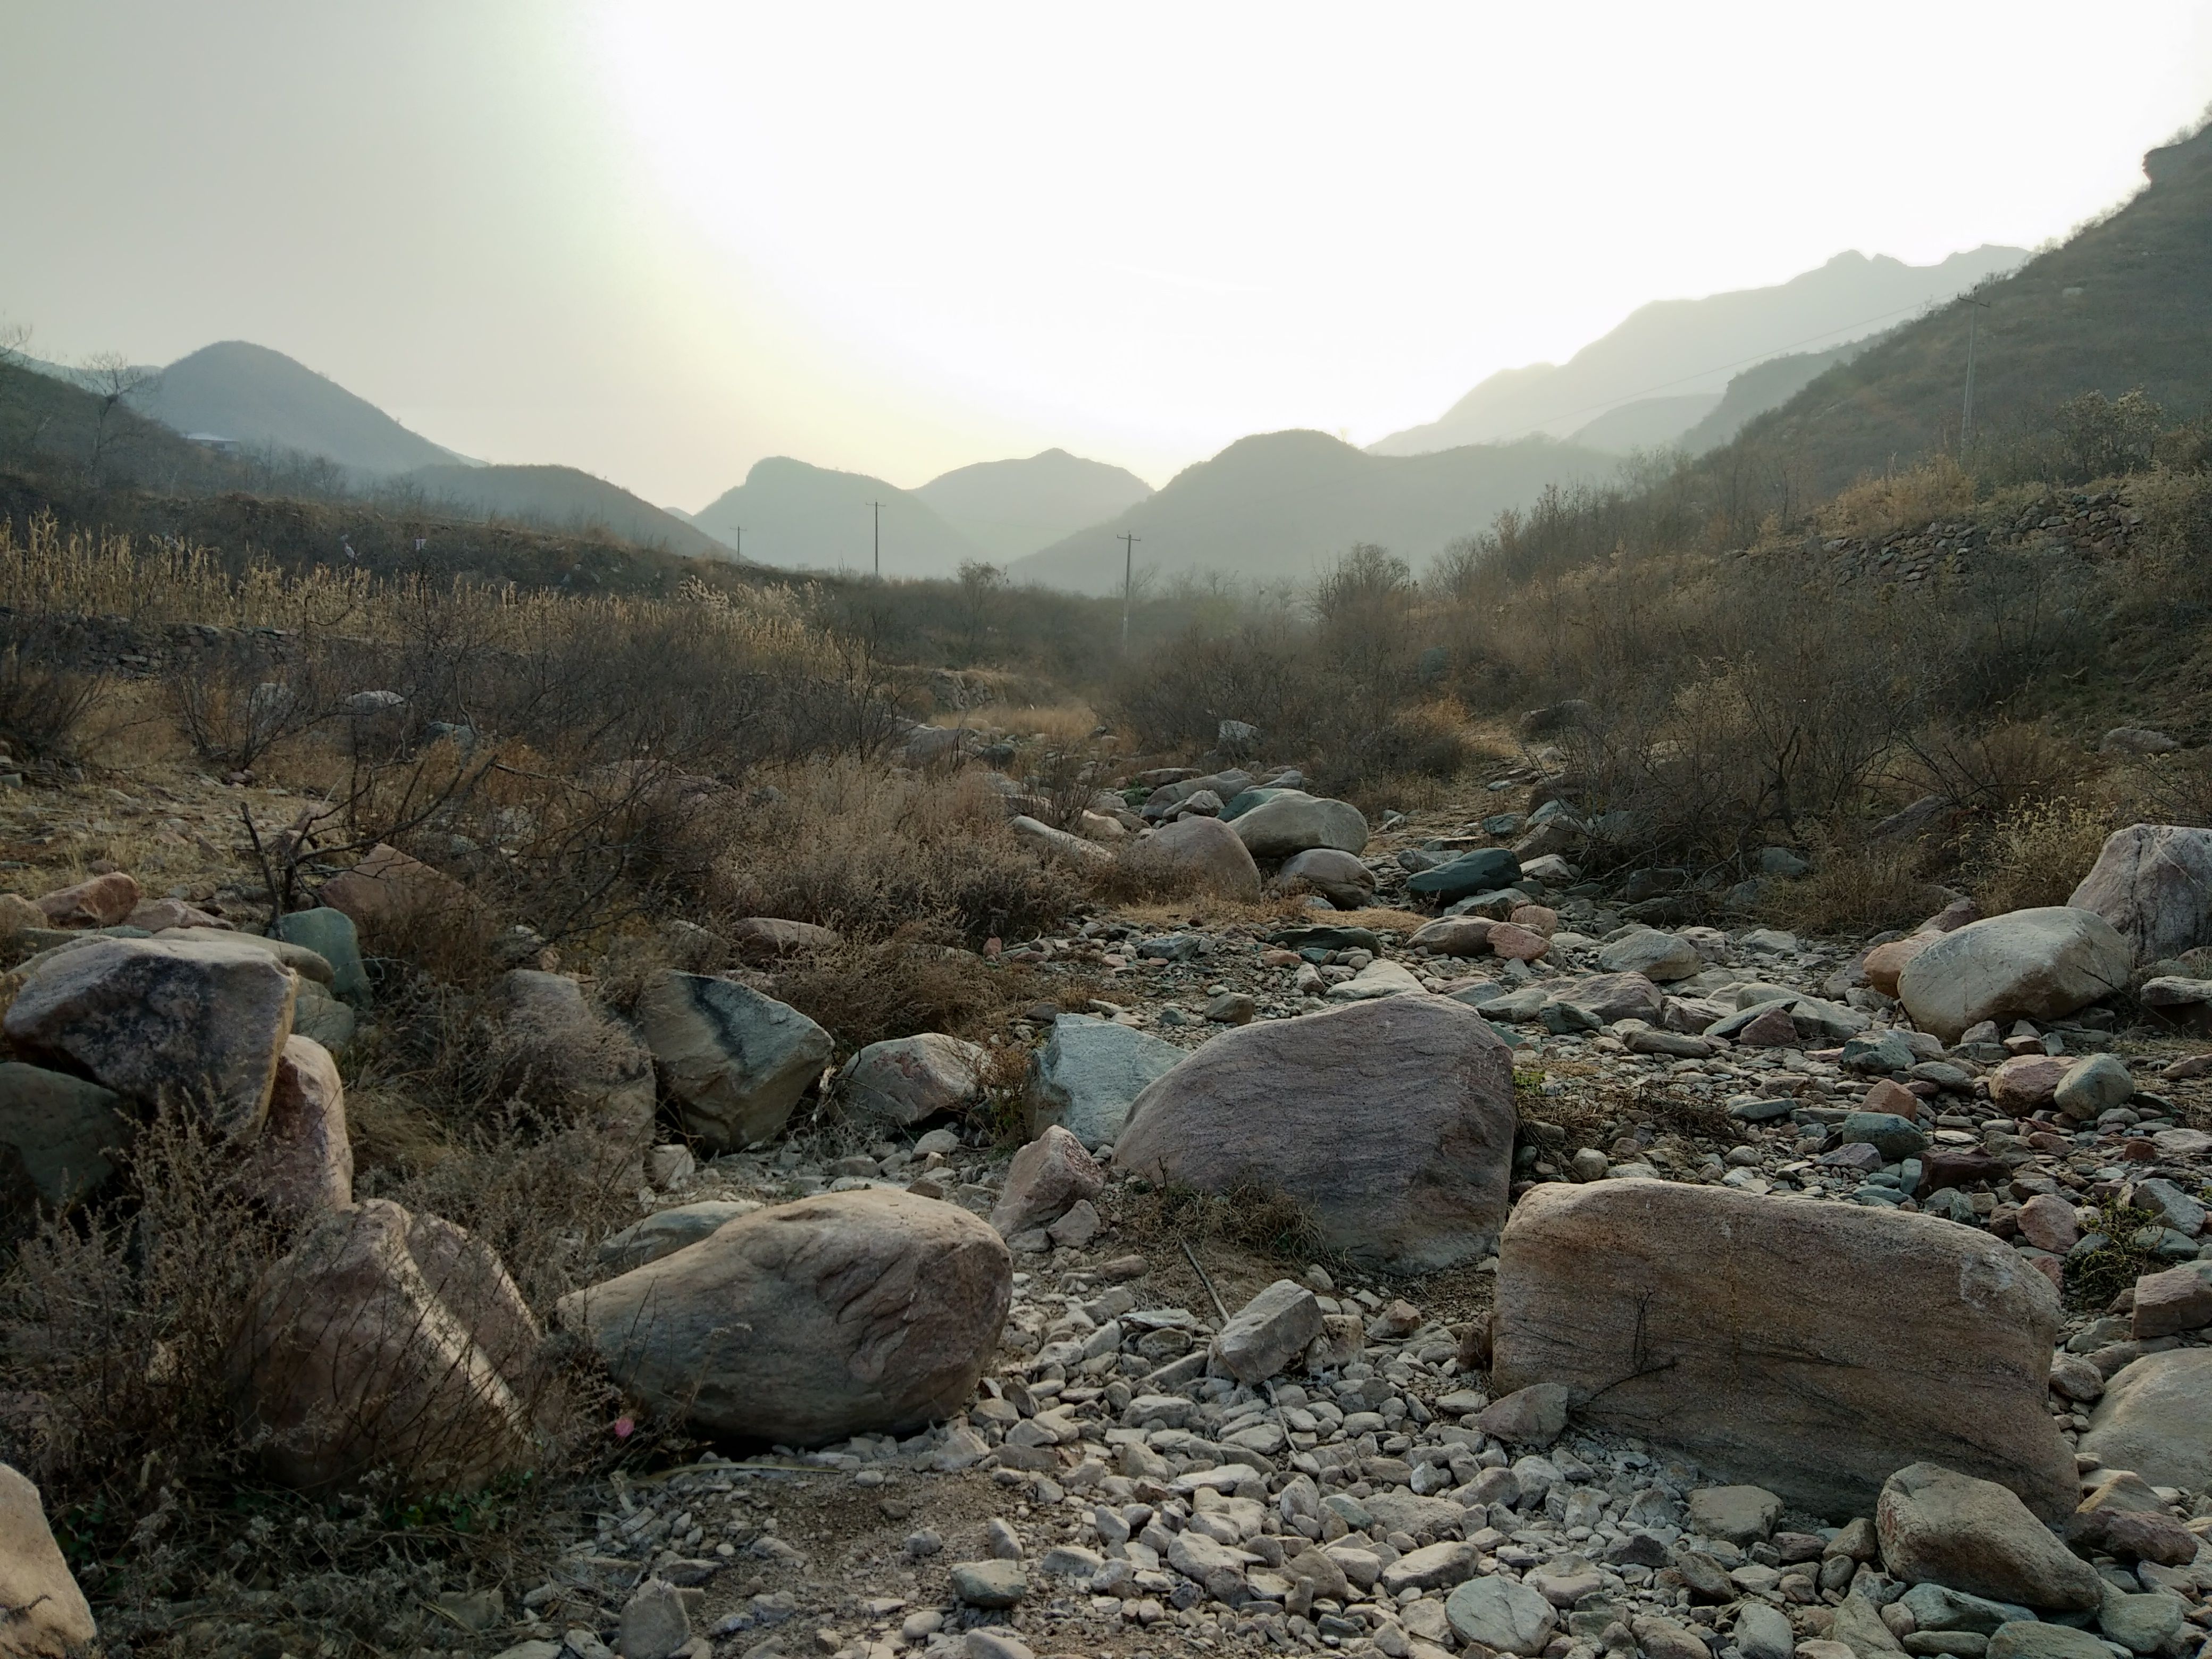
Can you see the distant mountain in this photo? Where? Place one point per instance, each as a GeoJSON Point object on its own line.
{"type": "Point", "coordinates": [1010, 508]}
{"type": "Point", "coordinates": [2125, 303]}
{"type": "Point", "coordinates": [1647, 423]}
{"type": "Point", "coordinates": [799, 517]}
{"type": "Point", "coordinates": [1678, 347]}
{"type": "Point", "coordinates": [1280, 505]}
{"type": "Point", "coordinates": [558, 498]}
{"type": "Point", "coordinates": [261, 398]}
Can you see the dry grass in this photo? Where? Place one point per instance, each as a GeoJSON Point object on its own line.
{"type": "Point", "coordinates": [871, 853]}
{"type": "Point", "coordinates": [1936, 488]}
{"type": "Point", "coordinates": [1859, 888]}
{"type": "Point", "coordinates": [869, 993]}
{"type": "Point", "coordinates": [2036, 855]}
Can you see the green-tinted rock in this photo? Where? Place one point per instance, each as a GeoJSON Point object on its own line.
{"type": "Point", "coordinates": [1469, 874]}
{"type": "Point", "coordinates": [60, 1130]}
{"type": "Point", "coordinates": [331, 935]}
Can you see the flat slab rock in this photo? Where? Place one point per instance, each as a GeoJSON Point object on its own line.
{"type": "Point", "coordinates": [1808, 1348]}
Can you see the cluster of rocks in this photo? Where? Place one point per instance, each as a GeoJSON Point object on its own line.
{"type": "Point", "coordinates": [2102, 525]}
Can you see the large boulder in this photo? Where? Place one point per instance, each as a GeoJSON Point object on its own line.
{"type": "Point", "coordinates": [202, 1021]}
{"type": "Point", "coordinates": [1042, 837]}
{"type": "Point", "coordinates": [905, 1080]}
{"type": "Point", "coordinates": [1809, 1349]}
{"type": "Point", "coordinates": [57, 1131]}
{"type": "Point", "coordinates": [1939, 1527]}
{"type": "Point", "coordinates": [1291, 823]}
{"type": "Point", "coordinates": [1391, 1121]}
{"type": "Point", "coordinates": [736, 1061]}
{"type": "Point", "coordinates": [764, 939]}
{"type": "Point", "coordinates": [45, 1612]}
{"type": "Point", "coordinates": [1205, 852]}
{"type": "Point", "coordinates": [303, 1161]}
{"type": "Point", "coordinates": [1609, 998]}
{"type": "Point", "coordinates": [851, 1313]}
{"type": "Point", "coordinates": [1089, 1071]}
{"type": "Point", "coordinates": [387, 1341]}
{"type": "Point", "coordinates": [566, 1056]}
{"type": "Point", "coordinates": [2155, 1418]}
{"type": "Point", "coordinates": [2026, 965]}
{"type": "Point", "coordinates": [2152, 881]}
{"type": "Point", "coordinates": [1339, 877]}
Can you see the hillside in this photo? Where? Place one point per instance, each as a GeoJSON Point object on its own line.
{"type": "Point", "coordinates": [1010, 508]}
{"type": "Point", "coordinates": [263, 399]}
{"type": "Point", "coordinates": [48, 424]}
{"type": "Point", "coordinates": [799, 517]}
{"type": "Point", "coordinates": [1681, 347]}
{"type": "Point", "coordinates": [1276, 507]}
{"type": "Point", "coordinates": [1647, 423]}
{"type": "Point", "coordinates": [2126, 302]}
{"type": "Point", "coordinates": [561, 498]}
{"type": "Point", "coordinates": [1759, 388]}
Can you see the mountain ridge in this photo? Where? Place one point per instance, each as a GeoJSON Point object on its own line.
{"type": "Point", "coordinates": [1679, 347]}
{"type": "Point", "coordinates": [1275, 507]}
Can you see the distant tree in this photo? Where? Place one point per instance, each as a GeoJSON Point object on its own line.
{"type": "Point", "coordinates": [113, 381]}
{"type": "Point", "coordinates": [14, 338]}
{"type": "Point", "coordinates": [2103, 438]}
{"type": "Point", "coordinates": [980, 585]}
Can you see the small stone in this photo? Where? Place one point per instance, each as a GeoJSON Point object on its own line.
{"type": "Point", "coordinates": [1502, 1615]}
{"type": "Point", "coordinates": [989, 1584]}
{"type": "Point", "coordinates": [1742, 1514]}
{"type": "Point", "coordinates": [2092, 1086]}
{"type": "Point", "coordinates": [2047, 1221]}
{"type": "Point", "coordinates": [654, 1622]}
{"type": "Point", "coordinates": [1534, 1416]}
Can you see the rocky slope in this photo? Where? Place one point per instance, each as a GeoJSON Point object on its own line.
{"type": "Point", "coordinates": [1694, 1297]}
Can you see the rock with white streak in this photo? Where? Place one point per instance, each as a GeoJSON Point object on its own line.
{"type": "Point", "coordinates": [736, 1061]}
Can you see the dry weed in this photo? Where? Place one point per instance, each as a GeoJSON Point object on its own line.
{"type": "Point", "coordinates": [2036, 855]}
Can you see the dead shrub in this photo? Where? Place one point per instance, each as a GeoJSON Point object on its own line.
{"type": "Point", "coordinates": [1855, 887]}
{"type": "Point", "coordinates": [1249, 1217]}
{"type": "Point", "coordinates": [1937, 489]}
{"type": "Point", "coordinates": [45, 709]}
{"type": "Point", "coordinates": [869, 851]}
{"type": "Point", "coordinates": [2036, 855]}
{"type": "Point", "coordinates": [870, 992]}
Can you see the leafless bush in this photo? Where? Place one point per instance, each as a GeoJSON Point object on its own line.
{"type": "Point", "coordinates": [46, 710]}
{"type": "Point", "coordinates": [2036, 855]}
{"type": "Point", "coordinates": [869, 851]}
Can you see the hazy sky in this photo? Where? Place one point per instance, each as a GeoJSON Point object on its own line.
{"type": "Point", "coordinates": [661, 239]}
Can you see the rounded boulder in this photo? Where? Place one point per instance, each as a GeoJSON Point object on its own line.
{"type": "Point", "coordinates": [2026, 965]}
{"type": "Point", "coordinates": [849, 1312]}
{"type": "Point", "coordinates": [1389, 1121]}
{"type": "Point", "coordinates": [1204, 851]}
{"type": "Point", "coordinates": [1292, 824]}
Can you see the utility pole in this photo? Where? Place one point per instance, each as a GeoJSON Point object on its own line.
{"type": "Point", "coordinates": [739, 550]}
{"type": "Point", "coordinates": [1967, 416]}
{"type": "Point", "coordinates": [878, 506]}
{"type": "Point", "coordinates": [1128, 575]}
